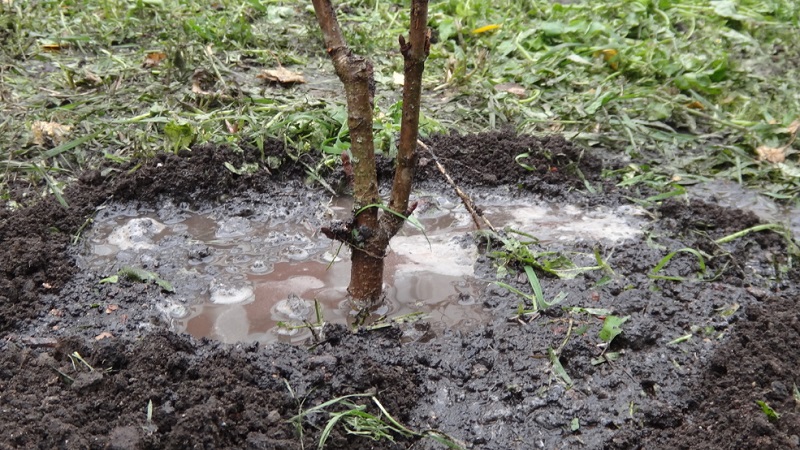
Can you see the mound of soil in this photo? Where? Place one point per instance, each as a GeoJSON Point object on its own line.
{"type": "Point", "coordinates": [692, 360]}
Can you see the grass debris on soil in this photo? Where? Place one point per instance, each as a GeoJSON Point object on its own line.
{"type": "Point", "coordinates": [168, 102]}
{"type": "Point", "coordinates": [493, 386]}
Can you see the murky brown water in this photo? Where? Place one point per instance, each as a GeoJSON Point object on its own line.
{"type": "Point", "coordinates": [237, 278]}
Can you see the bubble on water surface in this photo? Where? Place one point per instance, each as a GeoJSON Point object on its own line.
{"type": "Point", "coordinates": [294, 308]}
{"type": "Point", "coordinates": [230, 292]}
{"type": "Point", "coordinates": [259, 266]}
{"type": "Point", "coordinates": [136, 234]}
{"type": "Point", "coordinates": [233, 227]}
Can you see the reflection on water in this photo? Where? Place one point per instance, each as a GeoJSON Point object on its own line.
{"type": "Point", "coordinates": [240, 276]}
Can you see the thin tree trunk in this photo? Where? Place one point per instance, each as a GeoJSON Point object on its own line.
{"type": "Point", "coordinates": [356, 74]}
{"type": "Point", "coordinates": [414, 52]}
{"type": "Point", "coordinates": [365, 235]}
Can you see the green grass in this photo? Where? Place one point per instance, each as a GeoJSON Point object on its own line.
{"type": "Point", "coordinates": [689, 89]}
{"type": "Point", "coordinates": [357, 421]}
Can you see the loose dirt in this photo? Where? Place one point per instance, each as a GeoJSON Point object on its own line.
{"type": "Point", "coordinates": [81, 362]}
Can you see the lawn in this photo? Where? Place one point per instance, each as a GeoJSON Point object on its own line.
{"type": "Point", "coordinates": [690, 90]}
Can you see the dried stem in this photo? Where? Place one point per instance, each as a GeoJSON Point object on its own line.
{"type": "Point", "coordinates": [465, 199]}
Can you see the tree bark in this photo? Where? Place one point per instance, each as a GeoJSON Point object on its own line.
{"type": "Point", "coordinates": [367, 235]}
{"type": "Point", "coordinates": [356, 74]}
{"type": "Point", "coordinates": [414, 52]}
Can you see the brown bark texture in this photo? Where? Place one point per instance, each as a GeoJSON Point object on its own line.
{"type": "Point", "coordinates": [368, 235]}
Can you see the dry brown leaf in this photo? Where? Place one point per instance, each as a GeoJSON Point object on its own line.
{"type": "Point", "coordinates": [794, 127]}
{"type": "Point", "coordinates": [696, 105]}
{"type": "Point", "coordinates": [202, 82]}
{"type": "Point", "coordinates": [103, 335]}
{"type": "Point", "coordinates": [512, 88]}
{"type": "Point", "coordinates": [281, 75]}
{"type": "Point", "coordinates": [153, 59]}
{"type": "Point", "coordinates": [771, 154]}
{"type": "Point", "coordinates": [91, 78]}
{"type": "Point", "coordinates": [196, 89]}
{"type": "Point", "coordinates": [49, 134]}
{"type": "Point", "coordinates": [54, 47]}
{"type": "Point", "coordinates": [233, 128]}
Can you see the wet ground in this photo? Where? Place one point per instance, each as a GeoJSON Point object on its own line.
{"type": "Point", "coordinates": [693, 359]}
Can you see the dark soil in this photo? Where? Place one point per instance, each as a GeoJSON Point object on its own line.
{"type": "Point", "coordinates": [493, 387]}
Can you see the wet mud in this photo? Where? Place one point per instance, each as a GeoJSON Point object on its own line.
{"type": "Point", "coordinates": [95, 365]}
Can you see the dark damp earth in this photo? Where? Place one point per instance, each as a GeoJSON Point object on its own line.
{"type": "Point", "coordinates": [88, 365]}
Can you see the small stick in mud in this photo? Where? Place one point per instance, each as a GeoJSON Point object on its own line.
{"type": "Point", "coordinates": [474, 211]}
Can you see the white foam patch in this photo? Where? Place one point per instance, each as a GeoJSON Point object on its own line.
{"type": "Point", "coordinates": [445, 255]}
{"type": "Point", "coordinates": [137, 234]}
{"type": "Point", "coordinates": [231, 293]}
{"type": "Point", "coordinates": [571, 223]}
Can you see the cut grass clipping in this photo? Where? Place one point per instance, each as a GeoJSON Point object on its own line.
{"type": "Point", "coordinates": [357, 421]}
{"type": "Point", "coordinates": [140, 275]}
{"type": "Point", "coordinates": [536, 300]}
{"type": "Point", "coordinates": [707, 88]}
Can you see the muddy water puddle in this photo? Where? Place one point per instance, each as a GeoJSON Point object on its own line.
{"type": "Point", "coordinates": [254, 277]}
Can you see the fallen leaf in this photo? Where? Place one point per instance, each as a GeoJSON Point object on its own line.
{"type": "Point", "coordinates": [196, 89]}
{"type": "Point", "coordinates": [153, 59]}
{"type": "Point", "coordinates": [103, 335]}
{"type": "Point", "coordinates": [49, 134]}
{"type": "Point", "coordinates": [794, 127]}
{"type": "Point", "coordinates": [202, 82]}
{"type": "Point", "coordinates": [54, 47]}
{"type": "Point", "coordinates": [486, 28]}
{"type": "Point", "coordinates": [512, 88]}
{"type": "Point", "coordinates": [609, 56]}
{"type": "Point", "coordinates": [281, 75]}
{"type": "Point", "coordinates": [696, 105]}
{"type": "Point", "coordinates": [771, 154]}
{"type": "Point", "coordinates": [111, 308]}
{"type": "Point", "coordinates": [233, 128]}
{"type": "Point", "coordinates": [91, 78]}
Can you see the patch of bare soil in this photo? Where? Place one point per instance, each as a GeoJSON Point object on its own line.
{"type": "Point", "coordinates": [493, 387]}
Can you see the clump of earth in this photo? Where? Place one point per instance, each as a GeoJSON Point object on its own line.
{"type": "Point", "coordinates": [705, 359]}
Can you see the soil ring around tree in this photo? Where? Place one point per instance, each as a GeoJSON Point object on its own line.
{"type": "Point", "coordinates": [707, 362]}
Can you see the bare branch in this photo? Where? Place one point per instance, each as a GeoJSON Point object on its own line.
{"type": "Point", "coordinates": [414, 52]}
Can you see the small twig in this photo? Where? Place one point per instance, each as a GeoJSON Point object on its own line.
{"type": "Point", "coordinates": [465, 199]}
